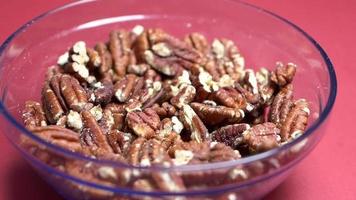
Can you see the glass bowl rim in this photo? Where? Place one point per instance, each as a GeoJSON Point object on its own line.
{"type": "Point", "coordinates": [209, 166]}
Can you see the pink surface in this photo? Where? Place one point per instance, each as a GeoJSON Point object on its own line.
{"type": "Point", "coordinates": [327, 173]}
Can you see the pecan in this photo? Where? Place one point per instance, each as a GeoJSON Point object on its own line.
{"type": "Point", "coordinates": [296, 121]}
{"type": "Point", "coordinates": [281, 105]}
{"type": "Point", "coordinates": [121, 54]}
{"type": "Point", "coordinates": [143, 152]}
{"type": "Point", "coordinates": [165, 110]}
{"type": "Point", "coordinates": [106, 60]}
{"type": "Point", "coordinates": [220, 152]}
{"type": "Point", "coordinates": [283, 74]}
{"type": "Point", "coordinates": [92, 136]}
{"type": "Point", "coordinates": [113, 117]}
{"type": "Point", "coordinates": [59, 136]}
{"type": "Point", "coordinates": [225, 59]}
{"type": "Point", "coordinates": [52, 106]}
{"type": "Point", "coordinates": [214, 115]}
{"type": "Point", "coordinates": [74, 94]}
{"type": "Point", "coordinates": [192, 122]}
{"type": "Point", "coordinates": [94, 59]}
{"type": "Point", "coordinates": [144, 123]}
{"type": "Point", "coordinates": [33, 115]}
{"type": "Point", "coordinates": [102, 93]}
{"type": "Point", "coordinates": [230, 135]}
{"type": "Point", "coordinates": [119, 141]}
{"type": "Point", "coordinates": [52, 71]}
{"type": "Point", "coordinates": [185, 95]}
{"type": "Point", "coordinates": [230, 97]}
{"type": "Point", "coordinates": [124, 88]}
{"type": "Point", "coordinates": [265, 86]}
{"type": "Point", "coordinates": [198, 42]}
{"type": "Point", "coordinates": [165, 53]}
{"type": "Point", "coordinates": [139, 69]}
{"type": "Point", "coordinates": [262, 137]}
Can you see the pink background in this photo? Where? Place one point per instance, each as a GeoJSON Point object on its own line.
{"type": "Point", "coordinates": [330, 170]}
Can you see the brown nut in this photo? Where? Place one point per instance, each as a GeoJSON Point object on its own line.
{"type": "Point", "coordinates": [102, 93]}
{"type": "Point", "coordinates": [51, 105]}
{"type": "Point", "coordinates": [296, 121]}
{"type": "Point", "coordinates": [143, 124]}
{"type": "Point", "coordinates": [60, 136]}
{"type": "Point", "coordinates": [92, 136]}
{"type": "Point", "coordinates": [74, 94]}
{"type": "Point", "coordinates": [185, 95]}
{"type": "Point", "coordinates": [33, 115]}
{"type": "Point", "coordinates": [213, 114]}
{"type": "Point", "coordinates": [262, 137]}
{"type": "Point", "coordinates": [283, 74]}
{"type": "Point", "coordinates": [124, 88]}
{"type": "Point", "coordinates": [106, 60]}
{"type": "Point", "coordinates": [119, 46]}
{"type": "Point", "coordinates": [230, 135]}
{"type": "Point", "coordinates": [281, 105]}
{"type": "Point", "coordinates": [192, 122]}
{"type": "Point", "coordinates": [120, 141]}
{"type": "Point", "coordinates": [198, 42]}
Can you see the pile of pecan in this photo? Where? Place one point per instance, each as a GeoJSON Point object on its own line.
{"type": "Point", "coordinates": [147, 98]}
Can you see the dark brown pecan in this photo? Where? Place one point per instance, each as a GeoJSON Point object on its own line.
{"type": "Point", "coordinates": [33, 115]}
{"type": "Point", "coordinates": [296, 121]}
{"type": "Point", "coordinates": [60, 136]}
{"type": "Point", "coordinates": [283, 74]}
{"type": "Point", "coordinates": [124, 88]}
{"type": "Point", "coordinates": [106, 60]}
{"type": "Point", "coordinates": [92, 136]}
{"type": "Point", "coordinates": [262, 137]}
{"type": "Point", "coordinates": [281, 105]}
{"type": "Point", "coordinates": [213, 114]}
{"type": "Point", "coordinates": [230, 135]}
{"type": "Point", "coordinates": [192, 122]}
{"type": "Point", "coordinates": [119, 46]}
{"type": "Point", "coordinates": [143, 124]}
{"type": "Point", "coordinates": [120, 141]}
{"type": "Point", "coordinates": [74, 94]}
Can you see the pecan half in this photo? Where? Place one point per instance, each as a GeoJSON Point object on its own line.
{"type": "Point", "coordinates": [281, 105]}
{"type": "Point", "coordinates": [106, 60]}
{"type": "Point", "coordinates": [52, 106]}
{"type": "Point", "coordinates": [165, 53]}
{"type": "Point", "coordinates": [102, 93]}
{"type": "Point", "coordinates": [283, 74]}
{"type": "Point", "coordinates": [165, 110]}
{"type": "Point", "coordinates": [119, 46]}
{"type": "Point", "coordinates": [296, 121]}
{"type": "Point", "coordinates": [230, 135]}
{"type": "Point", "coordinates": [214, 115]}
{"type": "Point", "coordinates": [143, 124]}
{"type": "Point", "coordinates": [184, 96]}
{"type": "Point", "coordinates": [192, 122]}
{"type": "Point", "coordinates": [74, 94]}
{"type": "Point", "coordinates": [198, 42]}
{"type": "Point", "coordinates": [262, 137]}
{"type": "Point", "coordinates": [124, 88]}
{"type": "Point", "coordinates": [120, 141]}
{"type": "Point", "coordinates": [33, 115]}
{"type": "Point", "coordinates": [59, 136]}
{"type": "Point", "coordinates": [92, 136]}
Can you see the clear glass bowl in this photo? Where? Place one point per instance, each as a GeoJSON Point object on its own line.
{"type": "Point", "coordinates": [263, 38]}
